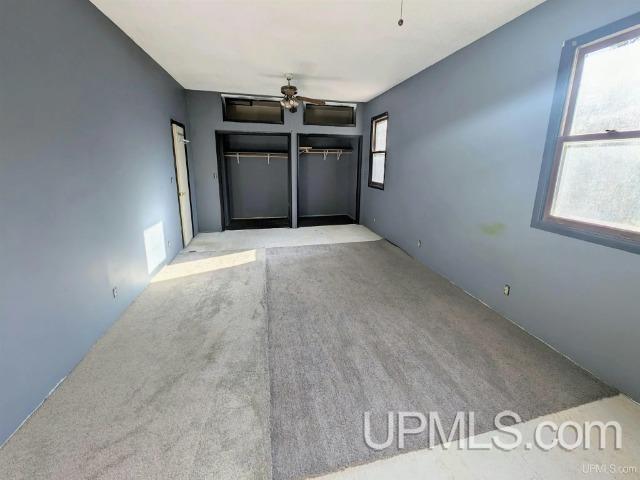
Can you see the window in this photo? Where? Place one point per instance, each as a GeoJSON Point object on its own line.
{"type": "Point", "coordinates": [253, 110]}
{"type": "Point", "coordinates": [331, 114]}
{"type": "Point", "coordinates": [590, 178]}
{"type": "Point", "coordinates": [378, 156]}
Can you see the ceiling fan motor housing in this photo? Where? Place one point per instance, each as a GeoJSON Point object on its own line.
{"type": "Point", "coordinates": [289, 90]}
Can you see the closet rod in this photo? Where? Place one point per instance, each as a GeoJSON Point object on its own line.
{"type": "Point", "coordinates": [267, 155]}
{"type": "Point", "coordinates": [325, 151]}
{"type": "Point", "coordinates": [257, 154]}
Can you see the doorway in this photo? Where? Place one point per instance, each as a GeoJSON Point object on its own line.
{"type": "Point", "coordinates": [328, 179]}
{"type": "Point", "coordinates": [255, 179]}
{"type": "Point", "coordinates": [182, 180]}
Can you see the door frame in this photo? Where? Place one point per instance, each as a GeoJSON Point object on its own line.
{"type": "Point", "coordinates": [223, 185]}
{"type": "Point", "coordinates": [359, 168]}
{"type": "Point", "coordinates": [175, 169]}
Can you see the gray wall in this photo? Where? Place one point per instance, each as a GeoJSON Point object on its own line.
{"type": "Point", "coordinates": [205, 117]}
{"type": "Point", "coordinates": [258, 189]}
{"type": "Point", "coordinates": [85, 167]}
{"type": "Point", "coordinates": [466, 138]}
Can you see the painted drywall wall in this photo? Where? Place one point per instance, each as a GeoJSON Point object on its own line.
{"type": "Point", "coordinates": [258, 189]}
{"type": "Point", "coordinates": [205, 118]}
{"type": "Point", "coordinates": [466, 138]}
{"type": "Point", "coordinates": [86, 166]}
{"type": "Point", "coordinates": [259, 186]}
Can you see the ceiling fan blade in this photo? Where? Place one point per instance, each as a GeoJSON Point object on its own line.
{"type": "Point", "coordinates": [314, 101]}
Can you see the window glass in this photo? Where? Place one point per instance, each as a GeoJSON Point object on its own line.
{"type": "Point", "coordinates": [377, 167]}
{"type": "Point", "coordinates": [608, 95]}
{"type": "Point", "coordinates": [380, 137]}
{"type": "Point", "coordinates": [378, 155]}
{"type": "Point", "coordinates": [599, 183]}
{"type": "Point", "coordinates": [591, 168]}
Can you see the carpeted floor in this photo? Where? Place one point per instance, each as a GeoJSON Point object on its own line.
{"type": "Point", "coordinates": [281, 237]}
{"type": "Point", "coordinates": [455, 462]}
{"type": "Point", "coordinates": [363, 327]}
{"type": "Point", "coordinates": [259, 364]}
{"type": "Point", "coordinates": [177, 389]}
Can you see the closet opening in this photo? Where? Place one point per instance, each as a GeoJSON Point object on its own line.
{"type": "Point", "coordinates": [328, 179]}
{"type": "Point", "coordinates": [254, 179]}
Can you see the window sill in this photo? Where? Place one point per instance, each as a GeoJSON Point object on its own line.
{"type": "Point", "coordinates": [606, 237]}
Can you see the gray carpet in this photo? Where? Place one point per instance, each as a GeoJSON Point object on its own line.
{"type": "Point", "coordinates": [239, 365]}
{"type": "Point", "coordinates": [177, 389]}
{"type": "Point", "coordinates": [363, 327]}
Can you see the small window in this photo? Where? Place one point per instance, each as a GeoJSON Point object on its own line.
{"type": "Point", "coordinates": [253, 110]}
{"type": "Point", "coordinates": [332, 115]}
{"type": "Point", "coordinates": [590, 179]}
{"type": "Point", "coordinates": [378, 156]}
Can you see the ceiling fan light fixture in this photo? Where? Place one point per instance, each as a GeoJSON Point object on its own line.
{"type": "Point", "coordinates": [291, 100]}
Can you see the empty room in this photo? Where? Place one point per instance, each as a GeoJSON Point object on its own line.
{"type": "Point", "coordinates": [320, 239]}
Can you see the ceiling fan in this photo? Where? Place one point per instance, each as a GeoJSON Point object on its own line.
{"type": "Point", "coordinates": [291, 98]}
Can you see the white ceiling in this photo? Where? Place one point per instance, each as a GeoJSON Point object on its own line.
{"type": "Point", "coordinates": [350, 50]}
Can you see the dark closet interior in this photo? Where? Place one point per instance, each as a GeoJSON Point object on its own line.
{"type": "Point", "coordinates": [255, 179]}
{"type": "Point", "coordinates": [328, 173]}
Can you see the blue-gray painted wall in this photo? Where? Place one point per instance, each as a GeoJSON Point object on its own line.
{"type": "Point", "coordinates": [85, 167]}
{"type": "Point", "coordinates": [466, 138]}
{"type": "Point", "coordinates": [205, 118]}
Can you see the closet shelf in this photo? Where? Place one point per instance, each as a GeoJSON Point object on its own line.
{"type": "Point", "coordinates": [257, 154]}
{"type": "Point", "coordinates": [267, 155]}
{"type": "Point", "coordinates": [325, 151]}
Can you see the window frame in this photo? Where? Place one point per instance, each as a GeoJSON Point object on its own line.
{"type": "Point", "coordinates": [374, 120]}
{"type": "Point", "coordinates": [558, 134]}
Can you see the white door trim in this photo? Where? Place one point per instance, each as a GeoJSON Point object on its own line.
{"type": "Point", "coordinates": [181, 164]}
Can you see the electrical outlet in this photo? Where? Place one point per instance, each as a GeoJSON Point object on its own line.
{"type": "Point", "coordinates": [507, 290]}
{"type": "Point", "coordinates": [168, 243]}
{"type": "Point", "coordinates": [172, 180]}
{"type": "Point", "coordinates": [374, 219]}
{"type": "Point", "coordinates": [419, 243]}
{"type": "Point", "coordinates": [114, 292]}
